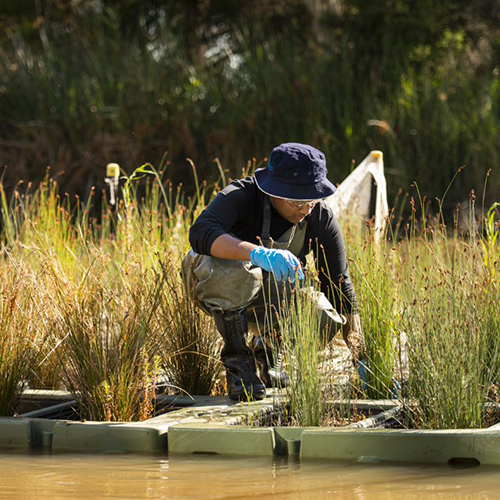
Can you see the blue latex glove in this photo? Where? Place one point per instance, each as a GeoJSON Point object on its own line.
{"type": "Point", "coordinates": [282, 263]}
{"type": "Point", "coordinates": [395, 389]}
{"type": "Point", "coordinates": [362, 374]}
{"type": "Point", "coordinates": [363, 367]}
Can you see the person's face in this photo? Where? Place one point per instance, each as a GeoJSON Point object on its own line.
{"type": "Point", "coordinates": [293, 211]}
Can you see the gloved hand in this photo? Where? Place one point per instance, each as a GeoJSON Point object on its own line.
{"type": "Point", "coordinates": [395, 388]}
{"type": "Point", "coordinates": [282, 263]}
{"type": "Point", "coordinates": [361, 369]}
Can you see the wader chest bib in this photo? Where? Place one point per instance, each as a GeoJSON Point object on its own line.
{"type": "Point", "coordinates": [291, 240]}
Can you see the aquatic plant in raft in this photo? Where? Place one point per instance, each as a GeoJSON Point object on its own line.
{"type": "Point", "coordinates": [108, 349]}
{"type": "Point", "coordinates": [190, 344]}
{"type": "Point", "coordinates": [374, 285]}
{"type": "Point", "coordinates": [451, 313]}
{"type": "Point", "coordinates": [298, 338]}
{"type": "Point", "coordinates": [21, 334]}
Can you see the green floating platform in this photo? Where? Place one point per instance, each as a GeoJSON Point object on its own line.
{"type": "Point", "coordinates": [214, 426]}
{"type": "Point", "coordinates": [248, 440]}
{"type": "Point", "coordinates": [15, 434]}
{"type": "Point", "coordinates": [214, 439]}
{"type": "Point", "coordinates": [110, 437]}
{"type": "Point", "coordinates": [35, 429]}
{"type": "Point", "coordinates": [357, 445]}
{"type": "Point", "coordinates": [20, 433]}
{"type": "Point", "coordinates": [379, 445]}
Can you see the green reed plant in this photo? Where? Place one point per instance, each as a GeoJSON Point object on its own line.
{"type": "Point", "coordinates": [31, 214]}
{"type": "Point", "coordinates": [444, 299]}
{"type": "Point", "coordinates": [432, 301]}
{"type": "Point", "coordinates": [374, 287]}
{"type": "Point", "coordinates": [37, 221]}
{"type": "Point", "coordinates": [21, 336]}
{"type": "Point", "coordinates": [490, 244]}
{"type": "Point", "coordinates": [302, 342]}
{"type": "Point", "coordinates": [190, 345]}
{"type": "Point", "coordinates": [108, 350]}
{"type": "Point", "coordinates": [147, 224]}
{"type": "Point", "coordinates": [492, 327]}
{"type": "Point", "coordinates": [449, 338]}
{"type": "Point", "coordinates": [45, 234]}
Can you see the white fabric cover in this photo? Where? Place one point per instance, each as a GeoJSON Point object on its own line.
{"type": "Point", "coordinates": [351, 202]}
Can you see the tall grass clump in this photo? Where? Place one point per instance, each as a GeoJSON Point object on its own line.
{"type": "Point", "coordinates": [302, 342]}
{"type": "Point", "coordinates": [490, 244]}
{"type": "Point", "coordinates": [448, 306]}
{"type": "Point", "coordinates": [189, 345]}
{"type": "Point", "coordinates": [21, 336]}
{"type": "Point", "coordinates": [449, 338]}
{"type": "Point", "coordinates": [115, 315]}
{"type": "Point", "coordinates": [108, 351]}
{"type": "Point", "coordinates": [430, 310]}
{"type": "Point", "coordinates": [373, 275]}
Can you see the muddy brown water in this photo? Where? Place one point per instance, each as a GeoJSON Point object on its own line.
{"type": "Point", "coordinates": [81, 476]}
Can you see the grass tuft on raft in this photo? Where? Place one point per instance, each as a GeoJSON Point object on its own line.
{"type": "Point", "coordinates": [22, 336]}
{"type": "Point", "coordinates": [107, 329]}
{"type": "Point", "coordinates": [430, 312]}
{"type": "Point", "coordinates": [190, 348]}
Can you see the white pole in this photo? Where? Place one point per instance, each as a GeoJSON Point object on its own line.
{"type": "Point", "coordinates": [112, 178]}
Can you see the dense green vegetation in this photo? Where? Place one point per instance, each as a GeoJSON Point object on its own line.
{"type": "Point", "coordinates": [85, 83]}
{"type": "Point", "coordinates": [99, 309]}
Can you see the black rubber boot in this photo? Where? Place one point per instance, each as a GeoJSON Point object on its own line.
{"type": "Point", "coordinates": [243, 382]}
{"type": "Point", "coordinates": [271, 368]}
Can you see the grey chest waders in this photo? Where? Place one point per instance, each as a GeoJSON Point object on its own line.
{"type": "Point", "coordinates": [242, 379]}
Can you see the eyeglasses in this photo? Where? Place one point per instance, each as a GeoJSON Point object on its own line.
{"type": "Point", "coordinates": [302, 204]}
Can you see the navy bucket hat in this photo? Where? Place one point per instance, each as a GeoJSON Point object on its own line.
{"type": "Point", "coordinates": [296, 172]}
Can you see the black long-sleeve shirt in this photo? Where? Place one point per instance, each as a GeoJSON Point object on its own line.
{"type": "Point", "coordinates": [239, 209]}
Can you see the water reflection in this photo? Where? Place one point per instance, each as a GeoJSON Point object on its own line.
{"type": "Point", "coordinates": [79, 476]}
